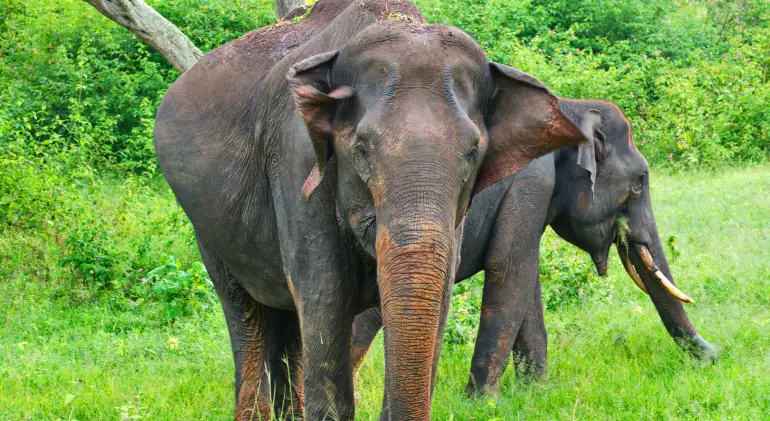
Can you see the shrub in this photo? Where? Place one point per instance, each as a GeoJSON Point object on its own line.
{"type": "Point", "coordinates": [690, 75]}
{"type": "Point", "coordinates": [71, 80]}
{"type": "Point", "coordinates": [93, 255]}
{"type": "Point", "coordinates": [79, 94]}
{"type": "Point", "coordinates": [567, 274]}
{"type": "Point", "coordinates": [463, 318]}
{"type": "Point", "coordinates": [183, 291]}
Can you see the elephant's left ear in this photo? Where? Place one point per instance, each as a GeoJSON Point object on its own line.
{"type": "Point", "coordinates": [524, 121]}
{"type": "Point", "coordinates": [317, 103]}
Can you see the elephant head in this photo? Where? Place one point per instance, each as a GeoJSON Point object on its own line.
{"type": "Point", "coordinates": [603, 190]}
{"type": "Point", "coordinates": [407, 122]}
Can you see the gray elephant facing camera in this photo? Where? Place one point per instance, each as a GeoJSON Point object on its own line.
{"type": "Point", "coordinates": [343, 186]}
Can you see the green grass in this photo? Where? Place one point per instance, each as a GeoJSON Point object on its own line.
{"type": "Point", "coordinates": [609, 355]}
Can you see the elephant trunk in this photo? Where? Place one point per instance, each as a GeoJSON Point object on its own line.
{"type": "Point", "coordinates": [415, 271]}
{"type": "Point", "coordinates": [646, 263]}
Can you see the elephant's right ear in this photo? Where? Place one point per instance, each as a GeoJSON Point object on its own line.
{"type": "Point", "coordinates": [317, 103]}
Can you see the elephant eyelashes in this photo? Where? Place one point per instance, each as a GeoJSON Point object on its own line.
{"type": "Point", "coordinates": [473, 155]}
{"type": "Point", "coordinates": [472, 158]}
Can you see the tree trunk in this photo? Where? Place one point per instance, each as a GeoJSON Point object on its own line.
{"type": "Point", "coordinates": [283, 7]}
{"type": "Point", "coordinates": [141, 19]}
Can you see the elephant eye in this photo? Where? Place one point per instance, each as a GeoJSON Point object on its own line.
{"type": "Point", "coordinates": [360, 156]}
{"type": "Point", "coordinates": [473, 155]}
{"type": "Point", "coordinates": [638, 185]}
{"type": "Point", "coordinates": [361, 150]}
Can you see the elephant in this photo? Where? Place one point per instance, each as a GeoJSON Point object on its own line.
{"type": "Point", "coordinates": [326, 166]}
{"type": "Point", "coordinates": [581, 192]}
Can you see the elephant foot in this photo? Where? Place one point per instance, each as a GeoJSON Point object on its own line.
{"type": "Point", "coordinates": [530, 370]}
{"type": "Point", "coordinates": [474, 390]}
{"type": "Point", "coordinates": [700, 349]}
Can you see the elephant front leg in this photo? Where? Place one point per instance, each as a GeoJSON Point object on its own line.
{"type": "Point", "coordinates": [530, 349]}
{"type": "Point", "coordinates": [327, 369]}
{"type": "Point", "coordinates": [510, 281]}
{"type": "Point", "coordinates": [502, 311]}
{"type": "Point", "coordinates": [365, 328]}
{"type": "Point", "coordinates": [323, 295]}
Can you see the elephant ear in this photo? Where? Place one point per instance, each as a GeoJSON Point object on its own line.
{"type": "Point", "coordinates": [317, 103]}
{"type": "Point", "coordinates": [593, 151]}
{"type": "Point", "coordinates": [524, 122]}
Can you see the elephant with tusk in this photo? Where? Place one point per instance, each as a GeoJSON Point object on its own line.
{"type": "Point", "coordinates": [581, 192]}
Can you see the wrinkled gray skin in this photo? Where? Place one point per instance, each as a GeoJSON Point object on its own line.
{"type": "Point", "coordinates": [502, 236]}
{"type": "Point", "coordinates": [326, 167]}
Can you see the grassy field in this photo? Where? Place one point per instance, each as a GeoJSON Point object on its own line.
{"type": "Point", "coordinates": [610, 357]}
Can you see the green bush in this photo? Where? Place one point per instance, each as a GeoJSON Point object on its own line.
{"type": "Point", "coordinates": [75, 83]}
{"type": "Point", "coordinates": [690, 75]}
{"type": "Point", "coordinates": [100, 239]}
{"type": "Point", "coordinates": [71, 80]}
{"type": "Point", "coordinates": [78, 178]}
{"type": "Point", "coordinates": [210, 24]}
{"type": "Point", "coordinates": [567, 274]}
{"type": "Point", "coordinates": [79, 96]}
{"type": "Point", "coordinates": [463, 319]}
{"type": "Point", "coordinates": [182, 291]}
{"type": "Point", "coordinates": [93, 254]}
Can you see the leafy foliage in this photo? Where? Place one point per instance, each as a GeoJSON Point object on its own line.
{"type": "Point", "coordinates": [183, 291]}
{"type": "Point", "coordinates": [79, 95]}
{"type": "Point", "coordinates": [690, 75]}
{"type": "Point", "coordinates": [567, 275]}
{"type": "Point", "coordinates": [73, 82]}
{"type": "Point", "coordinates": [463, 319]}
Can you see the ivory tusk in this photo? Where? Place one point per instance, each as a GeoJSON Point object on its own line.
{"type": "Point", "coordinates": [633, 274]}
{"type": "Point", "coordinates": [649, 263]}
{"type": "Point", "coordinates": [672, 289]}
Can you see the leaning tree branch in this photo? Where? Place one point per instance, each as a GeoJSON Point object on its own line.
{"type": "Point", "coordinates": [283, 7]}
{"type": "Point", "coordinates": [141, 19]}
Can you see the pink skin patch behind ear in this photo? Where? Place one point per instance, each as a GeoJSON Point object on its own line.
{"type": "Point", "coordinates": [312, 181]}
{"type": "Point", "coordinates": [315, 109]}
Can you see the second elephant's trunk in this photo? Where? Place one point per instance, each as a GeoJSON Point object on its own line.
{"type": "Point", "coordinates": [644, 253]}
{"type": "Point", "coordinates": [668, 304]}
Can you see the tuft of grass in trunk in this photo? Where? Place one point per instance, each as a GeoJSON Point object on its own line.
{"type": "Point", "coordinates": [621, 226]}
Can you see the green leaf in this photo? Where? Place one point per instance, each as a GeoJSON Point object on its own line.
{"type": "Point", "coordinates": [68, 399]}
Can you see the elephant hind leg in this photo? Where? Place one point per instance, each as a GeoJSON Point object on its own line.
{"type": "Point", "coordinates": [271, 368]}
{"type": "Point", "coordinates": [252, 373]}
{"type": "Point", "coordinates": [285, 367]}
{"type": "Point", "coordinates": [256, 337]}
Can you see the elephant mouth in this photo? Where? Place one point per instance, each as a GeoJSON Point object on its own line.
{"type": "Point", "coordinates": [651, 268]}
{"type": "Point", "coordinates": [601, 264]}
{"type": "Point", "coordinates": [601, 255]}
